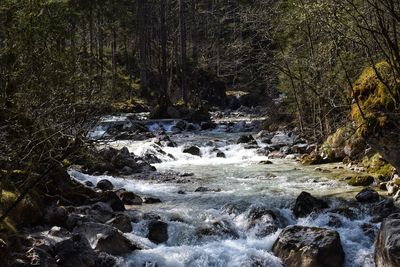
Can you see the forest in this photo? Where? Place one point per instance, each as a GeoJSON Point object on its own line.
{"type": "Point", "coordinates": [200, 133]}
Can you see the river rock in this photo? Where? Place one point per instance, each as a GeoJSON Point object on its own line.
{"type": "Point", "coordinates": [361, 180]}
{"type": "Point", "coordinates": [392, 188]}
{"type": "Point", "coordinates": [246, 139]}
{"type": "Point", "coordinates": [158, 231]}
{"type": "Point", "coordinates": [383, 209]}
{"type": "Point", "coordinates": [300, 246]}
{"type": "Point", "coordinates": [106, 238]}
{"type": "Point", "coordinates": [181, 125]}
{"type": "Point", "coordinates": [387, 246]}
{"type": "Point", "coordinates": [220, 154]}
{"type": "Point", "coordinates": [264, 221]}
{"type": "Point", "coordinates": [306, 203]}
{"type": "Point", "coordinates": [112, 199]}
{"type": "Point", "coordinates": [121, 222]}
{"type": "Point", "coordinates": [193, 150]}
{"type": "Point", "coordinates": [105, 260]}
{"type": "Point", "coordinates": [129, 198]}
{"type": "Point", "coordinates": [220, 228]}
{"type": "Point", "coordinates": [56, 215]}
{"type": "Point", "coordinates": [207, 125]}
{"type": "Point", "coordinates": [75, 252]}
{"type": "Point", "coordinates": [151, 200]}
{"type": "Point", "coordinates": [105, 185]}
{"type": "Point", "coordinates": [367, 195]}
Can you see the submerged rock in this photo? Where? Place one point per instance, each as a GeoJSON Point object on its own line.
{"type": "Point", "coordinates": [206, 189]}
{"type": "Point", "coordinates": [387, 246]}
{"type": "Point", "coordinates": [300, 246]}
{"type": "Point", "coordinates": [368, 195]}
{"type": "Point", "coordinates": [220, 228]}
{"type": "Point", "coordinates": [158, 231]}
{"type": "Point", "coordinates": [306, 203]}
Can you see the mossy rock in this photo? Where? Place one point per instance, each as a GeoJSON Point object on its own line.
{"type": "Point", "coordinates": [361, 180]}
{"type": "Point", "coordinates": [377, 165]}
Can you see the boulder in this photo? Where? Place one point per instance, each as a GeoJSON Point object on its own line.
{"type": "Point", "coordinates": [122, 223]}
{"type": "Point", "coordinates": [306, 203]}
{"type": "Point", "coordinates": [220, 154]}
{"type": "Point", "coordinates": [361, 180]}
{"type": "Point", "coordinates": [264, 221]}
{"type": "Point", "coordinates": [106, 238]}
{"type": "Point", "coordinates": [367, 195]}
{"type": "Point", "coordinates": [75, 252]}
{"type": "Point", "coordinates": [56, 215]}
{"type": "Point", "coordinates": [246, 139]}
{"type": "Point", "coordinates": [151, 200]}
{"type": "Point", "coordinates": [219, 228]}
{"type": "Point", "coordinates": [300, 246]}
{"type": "Point", "coordinates": [193, 150]}
{"type": "Point", "coordinates": [387, 246]}
{"type": "Point", "coordinates": [105, 185]}
{"type": "Point", "coordinates": [158, 231]}
{"type": "Point", "coordinates": [383, 209]}
{"type": "Point", "coordinates": [129, 198]}
{"type": "Point", "coordinates": [111, 199]}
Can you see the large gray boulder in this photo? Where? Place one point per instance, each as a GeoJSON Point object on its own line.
{"type": "Point", "coordinates": [301, 246]}
{"type": "Point", "coordinates": [387, 246]}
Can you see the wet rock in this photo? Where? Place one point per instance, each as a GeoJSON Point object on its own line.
{"type": "Point", "coordinates": [345, 212]}
{"type": "Point", "coordinates": [306, 203]}
{"type": "Point", "coordinates": [383, 209]}
{"type": "Point", "coordinates": [220, 228]}
{"type": "Point", "coordinates": [193, 150]}
{"type": "Point", "coordinates": [75, 252]}
{"type": "Point", "coordinates": [121, 222]}
{"type": "Point", "coordinates": [265, 162]}
{"type": "Point", "coordinates": [151, 200]}
{"type": "Point", "coordinates": [181, 192]}
{"type": "Point", "coordinates": [300, 246]}
{"type": "Point", "coordinates": [206, 189]}
{"type": "Point", "coordinates": [230, 208]}
{"type": "Point", "coordinates": [367, 195]}
{"type": "Point", "coordinates": [276, 155]}
{"type": "Point", "coordinates": [129, 198]}
{"type": "Point", "coordinates": [387, 246]}
{"type": "Point", "coordinates": [246, 139]}
{"type": "Point", "coordinates": [113, 200]}
{"type": "Point", "coordinates": [158, 232]}
{"type": "Point", "coordinates": [369, 230]}
{"type": "Point", "coordinates": [181, 125]}
{"type": "Point", "coordinates": [105, 185]}
{"type": "Point", "coordinates": [334, 221]}
{"type": "Point", "coordinates": [361, 180]}
{"type": "Point", "coordinates": [207, 125]}
{"type": "Point", "coordinates": [89, 184]}
{"type": "Point", "coordinates": [221, 154]}
{"type": "Point", "coordinates": [106, 238]}
{"type": "Point", "coordinates": [264, 221]}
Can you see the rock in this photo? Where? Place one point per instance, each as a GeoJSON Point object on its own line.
{"type": "Point", "coordinates": [40, 257]}
{"type": "Point", "coordinates": [299, 148]}
{"type": "Point", "coordinates": [206, 189]}
{"type": "Point", "coordinates": [300, 246]}
{"type": "Point", "coordinates": [89, 184]}
{"type": "Point", "coordinates": [264, 221]}
{"type": "Point", "coordinates": [266, 162]}
{"type": "Point", "coordinates": [392, 188]}
{"type": "Point", "coordinates": [306, 203]}
{"type": "Point", "coordinates": [158, 232]}
{"type": "Point", "coordinates": [345, 212]}
{"type": "Point", "coordinates": [382, 186]}
{"type": "Point", "coordinates": [105, 260]}
{"type": "Point", "coordinates": [220, 228]}
{"type": "Point", "coordinates": [129, 198]}
{"type": "Point", "coordinates": [181, 192]}
{"type": "Point", "coordinates": [113, 200]}
{"type": "Point", "coordinates": [4, 251]}
{"type": "Point", "coordinates": [206, 125]}
{"type": "Point", "coordinates": [246, 139]}
{"type": "Point", "coordinates": [122, 223]}
{"type": "Point", "coordinates": [276, 155]}
{"type": "Point", "coordinates": [367, 195]}
{"type": "Point", "coordinates": [284, 139]}
{"type": "Point", "coordinates": [105, 185]}
{"type": "Point", "coordinates": [383, 209]}
{"type": "Point", "coordinates": [181, 125]}
{"type": "Point", "coordinates": [221, 154]}
{"type": "Point", "coordinates": [361, 180]}
{"type": "Point", "coordinates": [193, 150]}
{"type": "Point", "coordinates": [106, 238]}
{"type": "Point", "coordinates": [75, 252]}
{"type": "Point", "coordinates": [151, 200]}
{"type": "Point", "coordinates": [312, 159]}
{"type": "Point", "coordinates": [56, 215]}
{"type": "Point", "coordinates": [387, 246]}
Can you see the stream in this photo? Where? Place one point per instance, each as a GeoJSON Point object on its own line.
{"type": "Point", "coordinates": [241, 184]}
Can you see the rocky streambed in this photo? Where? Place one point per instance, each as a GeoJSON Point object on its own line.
{"type": "Point", "coordinates": [173, 193]}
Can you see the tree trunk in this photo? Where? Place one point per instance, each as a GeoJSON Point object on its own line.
{"type": "Point", "coordinates": [182, 23]}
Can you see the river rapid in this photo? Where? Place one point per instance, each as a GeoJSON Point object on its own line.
{"type": "Point", "coordinates": [240, 185]}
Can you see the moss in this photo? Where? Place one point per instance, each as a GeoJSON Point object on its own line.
{"type": "Point", "coordinates": [361, 180]}
{"type": "Point", "coordinates": [376, 98]}
{"type": "Point", "coordinates": [378, 166]}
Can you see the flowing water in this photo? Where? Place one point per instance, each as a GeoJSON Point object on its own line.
{"type": "Point", "coordinates": [244, 184]}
